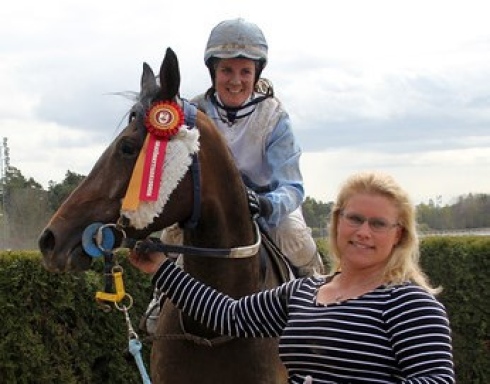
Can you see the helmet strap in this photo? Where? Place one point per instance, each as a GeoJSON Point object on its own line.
{"type": "Point", "coordinates": [230, 114]}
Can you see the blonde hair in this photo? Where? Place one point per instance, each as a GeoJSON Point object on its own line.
{"type": "Point", "coordinates": [403, 264]}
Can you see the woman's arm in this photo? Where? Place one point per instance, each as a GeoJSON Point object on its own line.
{"type": "Point", "coordinates": [263, 314]}
{"type": "Point", "coordinates": [420, 336]}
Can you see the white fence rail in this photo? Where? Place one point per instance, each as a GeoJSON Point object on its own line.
{"type": "Point", "coordinates": [458, 232]}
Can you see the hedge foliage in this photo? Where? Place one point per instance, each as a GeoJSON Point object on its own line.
{"type": "Point", "coordinates": [54, 332]}
{"type": "Point", "coordinates": [461, 265]}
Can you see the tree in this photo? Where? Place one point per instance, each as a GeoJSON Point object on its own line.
{"type": "Point", "coordinates": [24, 204]}
{"type": "Point", "coordinates": [316, 215]}
{"type": "Point", "coordinates": [27, 207]}
{"type": "Point", "coordinates": [470, 211]}
{"type": "Point", "coordinates": [59, 192]}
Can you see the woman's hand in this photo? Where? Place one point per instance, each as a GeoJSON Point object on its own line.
{"type": "Point", "coordinates": [146, 261]}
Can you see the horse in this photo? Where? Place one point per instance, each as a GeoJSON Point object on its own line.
{"type": "Point", "coordinates": [209, 201]}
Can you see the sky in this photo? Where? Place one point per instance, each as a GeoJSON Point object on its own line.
{"type": "Point", "coordinates": [401, 86]}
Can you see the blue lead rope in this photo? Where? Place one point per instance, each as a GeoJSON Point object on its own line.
{"type": "Point", "coordinates": [135, 350]}
{"type": "Point", "coordinates": [134, 345]}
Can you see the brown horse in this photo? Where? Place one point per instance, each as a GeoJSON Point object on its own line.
{"type": "Point", "coordinates": [211, 198]}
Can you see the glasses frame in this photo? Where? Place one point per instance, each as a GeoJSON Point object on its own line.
{"type": "Point", "coordinates": [350, 220]}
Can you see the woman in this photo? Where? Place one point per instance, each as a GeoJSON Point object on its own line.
{"type": "Point", "coordinates": [259, 134]}
{"type": "Point", "coordinates": [374, 319]}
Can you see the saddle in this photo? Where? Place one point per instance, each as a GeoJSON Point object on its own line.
{"type": "Point", "coordinates": [284, 269]}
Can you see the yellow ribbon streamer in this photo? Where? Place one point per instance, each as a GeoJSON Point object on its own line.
{"type": "Point", "coordinates": [131, 200]}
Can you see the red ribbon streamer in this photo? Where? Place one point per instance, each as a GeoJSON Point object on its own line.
{"type": "Point", "coordinates": [153, 169]}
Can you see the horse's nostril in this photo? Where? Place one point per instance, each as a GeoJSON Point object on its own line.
{"type": "Point", "coordinates": [46, 241]}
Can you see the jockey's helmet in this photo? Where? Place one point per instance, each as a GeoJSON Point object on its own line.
{"type": "Point", "coordinates": [234, 39]}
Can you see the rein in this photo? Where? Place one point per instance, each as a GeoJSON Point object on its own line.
{"type": "Point", "coordinates": [190, 116]}
{"type": "Point", "coordinates": [196, 181]}
{"type": "Point", "coordinates": [156, 245]}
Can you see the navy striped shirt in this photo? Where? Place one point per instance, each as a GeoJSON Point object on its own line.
{"type": "Point", "coordinates": [393, 334]}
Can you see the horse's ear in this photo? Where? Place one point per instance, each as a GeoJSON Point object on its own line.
{"type": "Point", "coordinates": [169, 76]}
{"type": "Point", "coordinates": [149, 85]}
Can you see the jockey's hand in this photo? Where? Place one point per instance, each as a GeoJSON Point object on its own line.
{"type": "Point", "coordinates": [259, 206]}
{"type": "Point", "coordinates": [146, 260]}
{"type": "Point", "coordinates": [308, 380]}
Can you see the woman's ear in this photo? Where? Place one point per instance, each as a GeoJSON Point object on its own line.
{"type": "Point", "coordinates": [398, 235]}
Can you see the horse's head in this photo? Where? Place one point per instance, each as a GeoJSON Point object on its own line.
{"type": "Point", "coordinates": [100, 196]}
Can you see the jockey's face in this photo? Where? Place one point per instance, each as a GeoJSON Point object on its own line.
{"type": "Point", "coordinates": [235, 80]}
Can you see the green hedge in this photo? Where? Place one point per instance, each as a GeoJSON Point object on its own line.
{"type": "Point", "coordinates": [461, 265]}
{"type": "Point", "coordinates": [54, 332]}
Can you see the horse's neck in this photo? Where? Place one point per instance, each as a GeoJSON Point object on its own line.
{"type": "Point", "coordinates": [235, 277]}
{"type": "Point", "coordinates": [224, 220]}
{"type": "Point", "coordinates": [224, 223]}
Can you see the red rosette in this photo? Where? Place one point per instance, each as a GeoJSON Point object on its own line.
{"type": "Point", "coordinates": [164, 118]}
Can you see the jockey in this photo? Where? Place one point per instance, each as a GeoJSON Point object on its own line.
{"type": "Point", "coordinates": [258, 131]}
{"type": "Point", "coordinates": [259, 134]}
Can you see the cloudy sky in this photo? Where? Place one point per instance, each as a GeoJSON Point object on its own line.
{"type": "Point", "coordinates": [397, 85]}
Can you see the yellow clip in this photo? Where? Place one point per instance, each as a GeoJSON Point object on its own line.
{"type": "Point", "coordinates": [113, 297]}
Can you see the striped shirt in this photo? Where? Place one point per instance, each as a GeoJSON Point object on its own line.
{"type": "Point", "coordinates": [393, 334]}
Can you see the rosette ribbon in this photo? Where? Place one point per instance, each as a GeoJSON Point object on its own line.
{"type": "Point", "coordinates": [163, 120]}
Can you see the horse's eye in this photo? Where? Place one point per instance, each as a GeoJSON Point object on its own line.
{"type": "Point", "coordinates": [127, 147]}
{"type": "Point", "coordinates": [131, 116]}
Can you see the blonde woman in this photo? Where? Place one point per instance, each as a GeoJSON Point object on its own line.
{"type": "Point", "coordinates": [374, 319]}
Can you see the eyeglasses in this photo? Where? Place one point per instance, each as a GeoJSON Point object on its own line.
{"type": "Point", "coordinates": [376, 224]}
